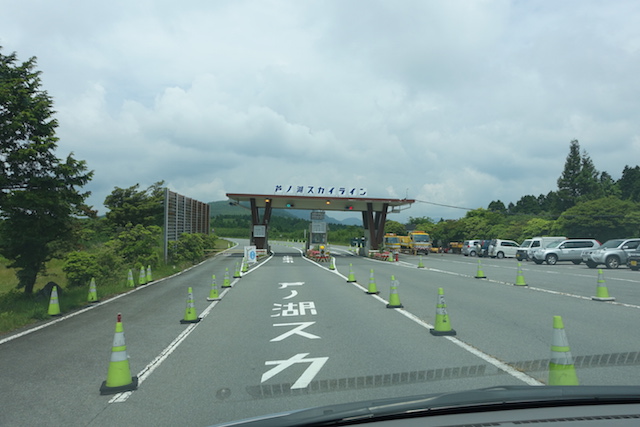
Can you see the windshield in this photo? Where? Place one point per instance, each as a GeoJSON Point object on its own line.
{"type": "Point", "coordinates": [212, 210]}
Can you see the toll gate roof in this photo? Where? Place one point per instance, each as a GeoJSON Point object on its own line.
{"type": "Point", "coordinates": [359, 204]}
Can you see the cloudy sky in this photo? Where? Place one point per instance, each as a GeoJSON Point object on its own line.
{"type": "Point", "coordinates": [447, 102]}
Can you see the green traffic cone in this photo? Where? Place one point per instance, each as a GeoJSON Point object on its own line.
{"type": "Point", "coordinates": [130, 282]}
{"type": "Point", "coordinates": [93, 293]}
{"type": "Point", "coordinates": [372, 284]}
{"type": "Point", "coordinates": [520, 278]}
{"type": "Point", "coordinates": [561, 368]}
{"type": "Point", "coordinates": [54, 304]}
{"type": "Point", "coordinates": [190, 315]}
{"type": "Point", "coordinates": [602, 293]}
{"type": "Point", "coordinates": [142, 278]}
{"type": "Point", "coordinates": [213, 294]}
{"type": "Point", "coordinates": [443, 325]}
{"type": "Point", "coordinates": [226, 282]}
{"type": "Point", "coordinates": [352, 277]}
{"type": "Point", "coordinates": [394, 299]}
{"type": "Point", "coordinates": [480, 273]}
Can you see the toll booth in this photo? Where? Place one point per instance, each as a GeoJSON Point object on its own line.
{"type": "Point", "coordinates": [317, 244]}
{"type": "Point", "coordinates": [318, 235]}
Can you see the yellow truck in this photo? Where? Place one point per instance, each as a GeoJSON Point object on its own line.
{"type": "Point", "coordinates": [417, 242]}
{"type": "Point", "coordinates": [392, 242]}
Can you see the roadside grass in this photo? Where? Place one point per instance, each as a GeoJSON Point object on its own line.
{"type": "Point", "coordinates": [18, 310]}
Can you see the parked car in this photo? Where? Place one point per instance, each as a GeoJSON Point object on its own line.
{"type": "Point", "coordinates": [503, 248]}
{"type": "Point", "coordinates": [470, 247]}
{"type": "Point", "coordinates": [612, 253]}
{"type": "Point", "coordinates": [633, 260]}
{"type": "Point", "coordinates": [524, 251]}
{"type": "Point", "coordinates": [484, 248]}
{"type": "Point", "coordinates": [563, 250]}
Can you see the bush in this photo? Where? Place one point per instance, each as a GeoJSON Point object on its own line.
{"type": "Point", "coordinates": [138, 245]}
{"type": "Point", "coordinates": [80, 267]}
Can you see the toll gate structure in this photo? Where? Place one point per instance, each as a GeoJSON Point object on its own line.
{"type": "Point", "coordinates": [374, 212]}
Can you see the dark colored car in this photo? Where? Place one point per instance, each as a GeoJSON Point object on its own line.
{"type": "Point", "coordinates": [633, 260]}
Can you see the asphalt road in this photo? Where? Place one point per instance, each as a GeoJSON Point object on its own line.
{"type": "Point", "coordinates": [292, 334]}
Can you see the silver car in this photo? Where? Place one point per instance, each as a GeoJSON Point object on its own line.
{"type": "Point", "coordinates": [471, 248]}
{"type": "Point", "coordinates": [564, 250]}
{"type": "Point", "coordinates": [612, 253]}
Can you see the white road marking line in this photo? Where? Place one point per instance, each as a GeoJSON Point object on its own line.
{"type": "Point", "coordinates": [164, 354]}
{"type": "Point", "coordinates": [484, 356]}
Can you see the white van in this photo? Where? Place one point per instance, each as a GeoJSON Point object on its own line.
{"type": "Point", "coordinates": [530, 245]}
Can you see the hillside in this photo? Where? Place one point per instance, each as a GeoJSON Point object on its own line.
{"type": "Point", "coordinates": [224, 208]}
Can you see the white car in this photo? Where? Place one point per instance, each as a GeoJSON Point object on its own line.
{"type": "Point", "coordinates": [503, 248]}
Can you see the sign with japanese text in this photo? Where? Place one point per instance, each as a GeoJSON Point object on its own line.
{"type": "Point", "coordinates": [320, 191]}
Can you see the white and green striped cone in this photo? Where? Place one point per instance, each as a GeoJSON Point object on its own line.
{"type": "Point", "coordinates": [130, 282]}
{"type": "Point", "coordinates": [190, 315]}
{"type": "Point", "coordinates": [561, 368]}
{"type": "Point", "coordinates": [332, 264]}
{"type": "Point", "coordinates": [149, 276]}
{"type": "Point", "coordinates": [420, 263]}
{"type": "Point", "coordinates": [394, 298]}
{"type": "Point", "coordinates": [119, 377]}
{"type": "Point", "coordinates": [480, 272]}
{"type": "Point", "coordinates": [226, 283]}
{"type": "Point", "coordinates": [372, 284]}
{"type": "Point", "coordinates": [213, 294]}
{"type": "Point", "coordinates": [443, 325]}
{"type": "Point", "coordinates": [142, 277]}
{"type": "Point", "coordinates": [245, 265]}
{"type": "Point", "coordinates": [602, 293]}
{"type": "Point", "coordinates": [352, 277]}
{"type": "Point", "coordinates": [54, 304]}
{"type": "Point", "coordinates": [93, 293]}
{"type": "Point", "coordinates": [237, 274]}
{"type": "Point", "coordinates": [520, 277]}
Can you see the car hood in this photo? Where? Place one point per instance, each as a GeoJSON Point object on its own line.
{"type": "Point", "coordinates": [494, 398]}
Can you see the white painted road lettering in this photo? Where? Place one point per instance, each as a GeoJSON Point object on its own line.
{"type": "Point", "coordinates": [285, 285]}
{"type": "Point", "coordinates": [316, 363]}
{"type": "Point", "coordinates": [295, 309]}
{"type": "Point", "coordinates": [298, 330]}
{"type": "Point", "coordinates": [293, 294]}
{"type": "Point", "coordinates": [287, 259]}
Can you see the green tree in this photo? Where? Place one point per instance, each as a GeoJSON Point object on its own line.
{"type": "Point", "coordinates": [527, 205]}
{"type": "Point", "coordinates": [604, 219]}
{"type": "Point", "coordinates": [395, 227]}
{"type": "Point", "coordinates": [138, 245]}
{"type": "Point", "coordinates": [188, 248]}
{"type": "Point", "coordinates": [629, 183]}
{"type": "Point", "coordinates": [497, 206]}
{"type": "Point", "coordinates": [39, 193]}
{"type": "Point", "coordinates": [608, 186]}
{"type": "Point", "coordinates": [579, 180]}
{"type": "Point", "coordinates": [134, 206]}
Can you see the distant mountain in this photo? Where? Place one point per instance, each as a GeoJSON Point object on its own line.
{"type": "Point", "coordinates": [224, 208]}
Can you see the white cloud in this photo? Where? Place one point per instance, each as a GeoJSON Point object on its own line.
{"type": "Point", "coordinates": [454, 102]}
